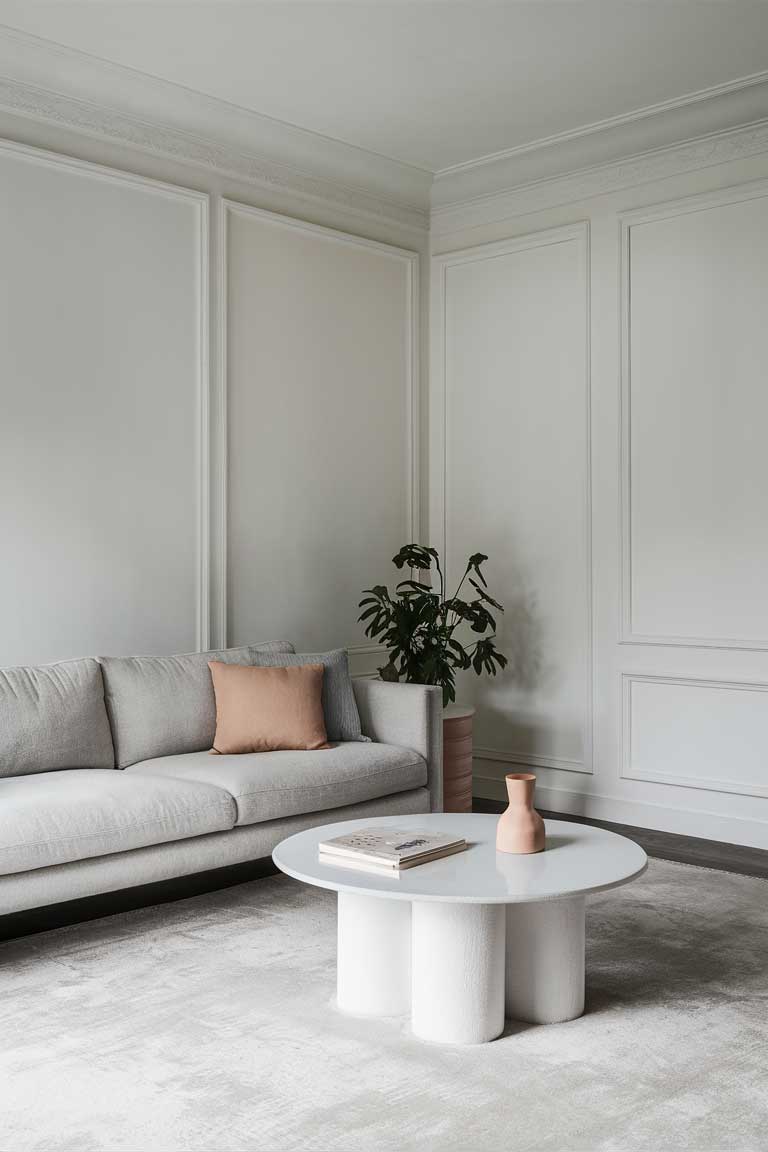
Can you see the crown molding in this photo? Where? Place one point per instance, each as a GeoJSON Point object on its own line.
{"type": "Point", "coordinates": [53, 84]}
{"type": "Point", "coordinates": [537, 196]}
{"type": "Point", "coordinates": [648, 130]}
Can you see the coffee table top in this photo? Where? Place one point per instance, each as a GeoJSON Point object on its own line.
{"type": "Point", "coordinates": [578, 859]}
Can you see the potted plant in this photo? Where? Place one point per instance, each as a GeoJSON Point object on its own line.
{"type": "Point", "coordinates": [429, 639]}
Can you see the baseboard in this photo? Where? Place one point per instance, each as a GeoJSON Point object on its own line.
{"type": "Point", "coordinates": [618, 810]}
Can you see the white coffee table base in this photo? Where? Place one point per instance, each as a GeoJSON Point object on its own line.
{"type": "Point", "coordinates": [458, 972]}
{"type": "Point", "coordinates": [373, 966]}
{"type": "Point", "coordinates": [460, 968]}
{"type": "Point", "coordinates": [545, 961]}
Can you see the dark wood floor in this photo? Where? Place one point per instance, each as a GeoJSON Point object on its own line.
{"type": "Point", "coordinates": [663, 845]}
{"type": "Point", "coordinates": [668, 845]}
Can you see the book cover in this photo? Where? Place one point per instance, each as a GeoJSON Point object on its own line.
{"type": "Point", "coordinates": [394, 848]}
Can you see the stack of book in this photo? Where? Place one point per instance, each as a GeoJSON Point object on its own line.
{"type": "Point", "coordinates": [387, 851]}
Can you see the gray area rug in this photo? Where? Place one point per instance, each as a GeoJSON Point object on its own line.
{"type": "Point", "coordinates": [209, 1025]}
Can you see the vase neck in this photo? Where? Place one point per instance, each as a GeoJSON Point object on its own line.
{"type": "Point", "coordinates": [520, 790]}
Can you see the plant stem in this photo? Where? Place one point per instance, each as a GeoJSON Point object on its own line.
{"type": "Point", "coordinates": [440, 574]}
{"type": "Point", "coordinates": [455, 597]}
{"type": "Point", "coordinates": [461, 582]}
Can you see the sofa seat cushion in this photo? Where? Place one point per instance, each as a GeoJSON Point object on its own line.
{"type": "Point", "coordinates": [270, 785]}
{"type": "Point", "coordinates": [54, 817]}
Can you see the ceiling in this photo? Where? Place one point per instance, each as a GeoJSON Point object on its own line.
{"type": "Point", "coordinates": [431, 83]}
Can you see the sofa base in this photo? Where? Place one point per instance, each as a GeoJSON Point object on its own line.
{"type": "Point", "coordinates": [30, 921]}
{"type": "Point", "coordinates": [70, 883]}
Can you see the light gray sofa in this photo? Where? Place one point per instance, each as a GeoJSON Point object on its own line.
{"type": "Point", "coordinates": [107, 780]}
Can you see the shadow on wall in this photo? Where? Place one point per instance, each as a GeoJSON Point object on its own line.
{"type": "Point", "coordinates": [521, 640]}
{"type": "Point", "coordinates": [510, 703]}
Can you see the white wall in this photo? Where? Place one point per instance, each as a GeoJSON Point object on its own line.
{"type": "Point", "coordinates": [208, 433]}
{"type": "Point", "coordinates": [103, 343]}
{"type": "Point", "coordinates": [173, 394]}
{"type": "Point", "coordinates": [321, 342]}
{"type": "Point", "coordinates": [512, 393]}
{"type": "Point", "coordinates": [667, 672]}
{"type": "Point", "coordinates": [695, 291]}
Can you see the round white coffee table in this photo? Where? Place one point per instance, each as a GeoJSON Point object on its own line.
{"type": "Point", "coordinates": [462, 941]}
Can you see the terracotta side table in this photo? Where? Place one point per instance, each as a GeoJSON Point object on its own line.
{"type": "Point", "coordinates": [457, 758]}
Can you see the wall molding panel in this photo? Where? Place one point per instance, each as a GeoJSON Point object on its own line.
{"type": "Point", "coordinates": [531, 760]}
{"type": "Point", "coordinates": [732, 786]}
{"type": "Point", "coordinates": [442, 462]}
{"type": "Point", "coordinates": [199, 203]}
{"type": "Point", "coordinates": [664, 211]}
{"type": "Point", "coordinates": [364, 657]}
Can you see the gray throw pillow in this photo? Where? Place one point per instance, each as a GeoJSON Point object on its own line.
{"type": "Point", "coordinates": [342, 720]}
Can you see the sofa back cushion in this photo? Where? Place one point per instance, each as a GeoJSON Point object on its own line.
{"type": "Point", "coordinates": [164, 705]}
{"type": "Point", "coordinates": [53, 716]}
{"type": "Point", "coordinates": [342, 720]}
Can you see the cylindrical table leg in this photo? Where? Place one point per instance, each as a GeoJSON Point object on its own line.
{"type": "Point", "coordinates": [545, 961]}
{"type": "Point", "coordinates": [373, 974]}
{"type": "Point", "coordinates": [458, 972]}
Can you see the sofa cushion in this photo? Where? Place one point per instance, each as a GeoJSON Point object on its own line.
{"type": "Point", "coordinates": [52, 717]}
{"type": "Point", "coordinates": [267, 709]}
{"type": "Point", "coordinates": [53, 817]}
{"type": "Point", "coordinates": [269, 785]}
{"type": "Point", "coordinates": [342, 720]}
{"type": "Point", "coordinates": [164, 705]}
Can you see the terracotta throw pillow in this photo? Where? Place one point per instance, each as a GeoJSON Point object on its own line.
{"type": "Point", "coordinates": [267, 709]}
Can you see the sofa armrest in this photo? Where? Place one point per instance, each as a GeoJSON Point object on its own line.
{"type": "Point", "coordinates": [409, 715]}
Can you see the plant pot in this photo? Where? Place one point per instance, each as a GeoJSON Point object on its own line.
{"type": "Point", "coordinates": [457, 758]}
{"type": "Point", "coordinates": [520, 829]}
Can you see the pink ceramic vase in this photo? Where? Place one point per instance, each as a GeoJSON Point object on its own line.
{"type": "Point", "coordinates": [520, 828]}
